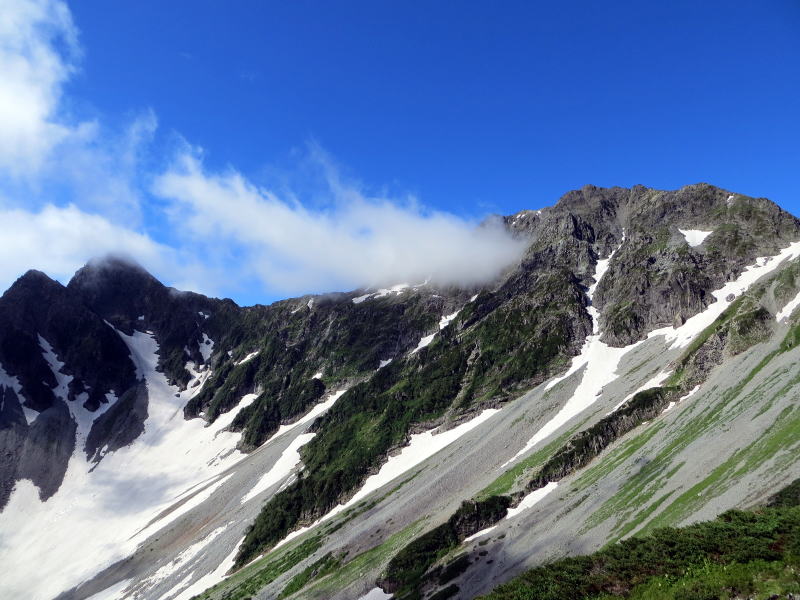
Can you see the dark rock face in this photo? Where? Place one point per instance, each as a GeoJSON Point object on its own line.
{"type": "Point", "coordinates": [656, 279]}
{"type": "Point", "coordinates": [13, 431]}
{"type": "Point", "coordinates": [47, 448]}
{"type": "Point", "coordinates": [120, 425]}
{"type": "Point", "coordinates": [93, 353]}
{"type": "Point", "coordinates": [121, 292]}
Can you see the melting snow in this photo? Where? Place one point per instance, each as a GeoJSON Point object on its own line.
{"type": "Point", "coordinates": [445, 320]}
{"type": "Point", "coordinates": [83, 418]}
{"type": "Point", "coordinates": [531, 499]}
{"type": "Point", "coordinates": [481, 533]}
{"type": "Point", "coordinates": [129, 488]}
{"type": "Point", "coordinates": [421, 447]}
{"type": "Point", "coordinates": [695, 389]}
{"type": "Point", "coordinates": [206, 581]}
{"type": "Point", "coordinates": [288, 460]}
{"type": "Point", "coordinates": [290, 457]}
{"type": "Point", "coordinates": [787, 310]}
{"type": "Point", "coordinates": [250, 356]}
{"type": "Point", "coordinates": [426, 340]}
{"type": "Point", "coordinates": [206, 347]}
{"type": "Point", "coordinates": [599, 361]}
{"type": "Point", "coordinates": [184, 558]}
{"type": "Point", "coordinates": [376, 594]}
{"type": "Point", "coordinates": [423, 342]}
{"type": "Point", "coordinates": [654, 381]}
{"type": "Point", "coordinates": [695, 237]}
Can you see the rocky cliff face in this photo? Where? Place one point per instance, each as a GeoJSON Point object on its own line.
{"type": "Point", "coordinates": [366, 373]}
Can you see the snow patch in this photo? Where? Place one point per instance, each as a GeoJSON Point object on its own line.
{"type": "Point", "coordinates": [654, 381]}
{"type": "Point", "coordinates": [13, 383]}
{"type": "Point", "coordinates": [376, 594]}
{"type": "Point", "coordinates": [318, 410]}
{"type": "Point", "coordinates": [206, 581]}
{"type": "Point", "coordinates": [383, 363]}
{"type": "Point", "coordinates": [426, 340]}
{"type": "Point", "coordinates": [288, 460]}
{"type": "Point", "coordinates": [420, 447]}
{"type": "Point", "coordinates": [481, 533]}
{"type": "Point", "coordinates": [599, 362]}
{"type": "Point", "coordinates": [531, 499]}
{"type": "Point", "coordinates": [184, 558]}
{"type": "Point", "coordinates": [695, 237]}
{"type": "Point", "coordinates": [788, 309]}
{"type": "Point", "coordinates": [445, 320]}
{"type": "Point", "coordinates": [206, 347]}
{"type": "Point", "coordinates": [247, 358]}
{"type": "Point", "coordinates": [317, 375]}
{"type": "Point", "coordinates": [290, 457]}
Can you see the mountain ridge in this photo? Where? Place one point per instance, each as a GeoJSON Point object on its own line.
{"type": "Point", "coordinates": [366, 373]}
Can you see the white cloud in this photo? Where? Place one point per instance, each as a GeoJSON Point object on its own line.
{"type": "Point", "coordinates": [59, 241]}
{"type": "Point", "coordinates": [359, 241]}
{"type": "Point", "coordinates": [72, 189]}
{"type": "Point", "coordinates": [38, 42]}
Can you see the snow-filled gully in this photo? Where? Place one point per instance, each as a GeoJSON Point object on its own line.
{"type": "Point", "coordinates": [135, 490]}
{"type": "Point", "coordinates": [599, 361]}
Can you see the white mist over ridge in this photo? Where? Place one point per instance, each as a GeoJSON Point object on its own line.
{"type": "Point", "coordinates": [359, 241]}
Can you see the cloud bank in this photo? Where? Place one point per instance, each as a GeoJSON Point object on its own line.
{"type": "Point", "coordinates": [359, 241]}
{"type": "Point", "coordinates": [72, 189]}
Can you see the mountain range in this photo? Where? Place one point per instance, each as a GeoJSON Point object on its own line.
{"type": "Point", "coordinates": [635, 369]}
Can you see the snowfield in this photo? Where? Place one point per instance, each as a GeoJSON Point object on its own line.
{"type": "Point", "coordinates": [695, 237]}
{"type": "Point", "coordinates": [100, 516]}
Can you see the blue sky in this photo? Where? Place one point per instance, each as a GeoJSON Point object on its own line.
{"type": "Point", "coordinates": [441, 111]}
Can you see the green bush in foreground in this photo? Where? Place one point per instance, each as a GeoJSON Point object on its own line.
{"type": "Point", "coordinates": [741, 553]}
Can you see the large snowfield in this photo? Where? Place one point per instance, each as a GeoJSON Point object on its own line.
{"type": "Point", "coordinates": [100, 515]}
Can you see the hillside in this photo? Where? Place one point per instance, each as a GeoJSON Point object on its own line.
{"type": "Point", "coordinates": [636, 369]}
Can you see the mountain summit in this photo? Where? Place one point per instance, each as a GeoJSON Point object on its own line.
{"type": "Point", "coordinates": [634, 369]}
